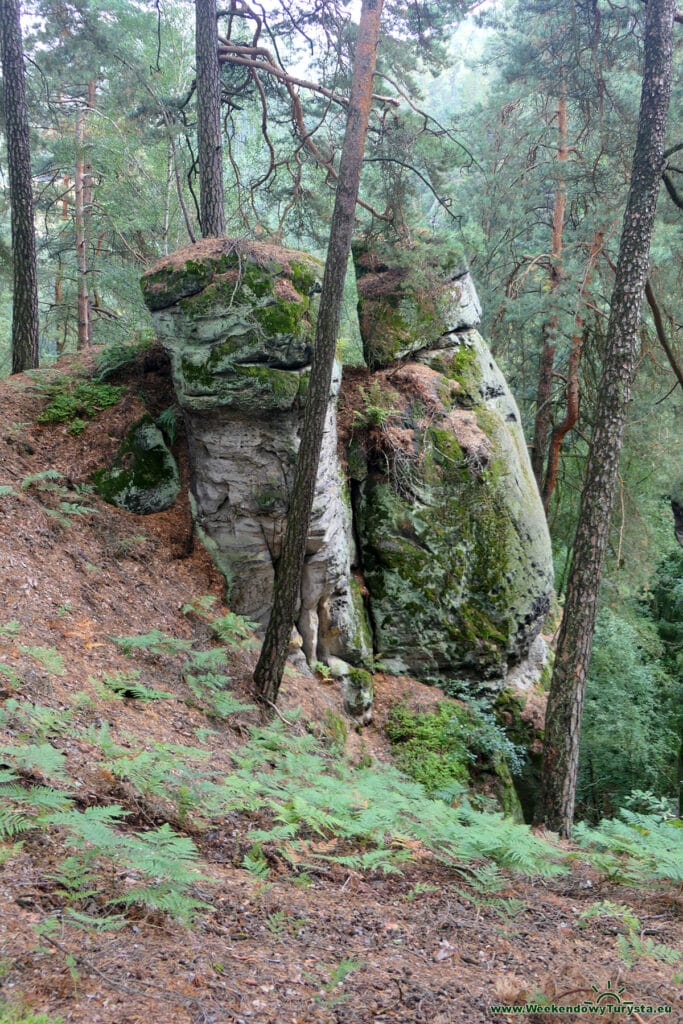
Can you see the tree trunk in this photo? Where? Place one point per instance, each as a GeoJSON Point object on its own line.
{"type": "Point", "coordinates": [271, 663]}
{"type": "Point", "coordinates": [565, 702]}
{"type": "Point", "coordinates": [83, 221]}
{"type": "Point", "coordinates": [571, 416]}
{"type": "Point", "coordinates": [25, 293]}
{"type": "Point", "coordinates": [547, 360]}
{"type": "Point", "coordinates": [209, 139]}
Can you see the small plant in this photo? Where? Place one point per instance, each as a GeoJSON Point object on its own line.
{"type": "Point", "coordinates": [10, 630]}
{"type": "Point", "coordinates": [121, 354]}
{"type": "Point", "coordinates": [605, 908]}
{"type": "Point", "coordinates": [632, 947]}
{"type": "Point", "coordinates": [48, 657]}
{"type": "Point", "coordinates": [72, 400]}
{"type": "Point", "coordinates": [127, 684]}
{"type": "Point", "coordinates": [155, 642]}
{"type": "Point", "coordinates": [167, 421]}
{"type": "Point", "coordinates": [420, 889]}
{"type": "Point", "coordinates": [235, 630]}
{"type": "Point", "coordinates": [377, 407]}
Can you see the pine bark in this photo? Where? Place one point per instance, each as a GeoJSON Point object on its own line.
{"type": "Point", "coordinates": [565, 703]}
{"type": "Point", "coordinates": [271, 663]}
{"type": "Point", "coordinates": [209, 139]}
{"type": "Point", "coordinates": [25, 294]}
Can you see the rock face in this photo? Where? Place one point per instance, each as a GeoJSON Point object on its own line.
{"type": "Point", "coordinates": [144, 478]}
{"type": "Point", "coordinates": [450, 572]}
{"type": "Point", "coordinates": [238, 321]}
{"type": "Point", "coordinates": [454, 544]}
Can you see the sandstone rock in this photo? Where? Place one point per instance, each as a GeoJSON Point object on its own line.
{"type": "Point", "coordinates": [238, 320]}
{"type": "Point", "coordinates": [454, 543]}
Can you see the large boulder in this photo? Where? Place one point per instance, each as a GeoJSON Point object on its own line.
{"type": "Point", "coordinates": [454, 544]}
{"type": "Point", "coordinates": [144, 477]}
{"type": "Point", "coordinates": [237, 318]}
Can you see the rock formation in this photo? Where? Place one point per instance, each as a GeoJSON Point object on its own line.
{"type": "Point", "coordinates": [454, 543]}
{"type": "Point", "coordinates": [453, 574]}
{"type": "Point", "coordinates": [238, 321]}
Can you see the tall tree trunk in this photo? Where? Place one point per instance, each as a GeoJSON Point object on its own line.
{"type": "Point", "coordinates": [565, 702]}
{"type": "Point", "coordinates": [271, 663]}
{"type": "Point", "coordinates": [547, 360]}
{"type": "Point", "coordinates": [25, 293]}
{"type": "Point", "coordinates": [83, 220]}
{"type": "Point", "coordinates": [209, 139]}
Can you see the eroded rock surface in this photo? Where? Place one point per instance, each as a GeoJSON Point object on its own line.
{"type": "Point", "coordinates": [238, 321]}
{"type": "Point", "coordinates": [454, 544]}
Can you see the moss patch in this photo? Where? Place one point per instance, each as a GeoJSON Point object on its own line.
{"type": "Point", "coordinates": [144, 478]}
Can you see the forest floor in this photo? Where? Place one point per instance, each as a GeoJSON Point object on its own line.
{"type": "Point", "coordinates": [330, 946]}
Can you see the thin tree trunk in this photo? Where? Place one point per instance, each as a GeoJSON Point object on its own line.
{"type": "Point", "coordinates": [82, 218]}
{"type": "Point", "coordinates": [573, 391]}
{"type": "Point", "coordinates": [547, 360]}
{"type": "Point", "coordinates": [271, 663]}
{"type": "Point", "coordinates": [209, 138]}
{"type": "Point", "coordinates": [25, 293]}
{"type": "Point", "coordinates": [565, 701]}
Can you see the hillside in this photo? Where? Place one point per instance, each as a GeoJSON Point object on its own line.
{"type": "Point", "coordinates": [169, 908]}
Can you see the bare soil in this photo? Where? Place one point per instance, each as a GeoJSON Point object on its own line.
{"type": "Point", "coordinates": [422, 947]}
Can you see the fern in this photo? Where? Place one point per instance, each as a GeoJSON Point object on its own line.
{"type": "Point", "coordinates": [6, 491]}
{"type": "Point", "coordinates": [636, 847]}
{"type": "Point", "coordinates": [154, 642]}
{"type": "Point", "coordinates": [201, 606]}
{"type": "Point", "coordinates": [42, 479]}
{"type": "Point", "coordinates": [127, 684]}
{"type": "Point", "coordinates": [10, 630]}
{"type": "Point", "coordinates": [234, 630]}
{"type": "Point", "coordinates": [36, 757]}
{"type": "Point", "coordinates": [48, 657]}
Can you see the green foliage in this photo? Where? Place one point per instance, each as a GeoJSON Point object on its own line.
{"type": "Point", "coordinates": [70, 399]}
{"type": "Point", "coordinates": [120, 355]}
{"type": "Point", "coordinates": [48, 657]}
{"type": "Point", "coordinates": [155, 642]}
{"type": "Point", "coordinates": [235, 630]}
{"type": "Point", "coordinates": [127, 684]}
{"type": "Point", "coordinates": [15, 1014]}
{"type": "Point", "coordinates": [629, 738]}
{"type": "Point", "coordinates": [311, 798]}
{"type": "Point", "coordinates": [168, 422]}
{"type": "Point", "coordinates": [632, 948]}
{"type": "Point", "coordinates": [638, 848]}
{"type": "Point", "coordinates": [438, 748]}
{"type": "Point", "coordinates": [10, 630]}
{"type": "Point", "coordinates": [377, 406]}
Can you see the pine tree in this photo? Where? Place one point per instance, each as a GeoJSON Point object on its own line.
{"type": "Point", "coordinates": [25, 295]}
{"type": "Point", "coordinates": [565, 704]}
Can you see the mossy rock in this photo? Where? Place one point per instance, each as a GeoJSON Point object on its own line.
{"type": "Point", "coordinates": [190, 270]}
{"type": "Point", "coordinates": [408, 300]}
{"type": "Point", "coordinates": [144, 478]}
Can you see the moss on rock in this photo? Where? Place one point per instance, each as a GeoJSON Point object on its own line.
{"type": "Point", "coordinates": [144, 478]}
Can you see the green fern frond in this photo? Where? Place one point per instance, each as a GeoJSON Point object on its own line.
{"type": "Point", "coordinates": [177, 905]}
{"type": "Point", "coordinates": [45, 475]}
{"type": "Point", "coordinates": [48, 657]}
{"type": "Point", "coordinates": [10, 629]}
{"type": "Point", "coordinates": [154, 642]}
{"type": "Point", "coordinates": [36, 757]}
